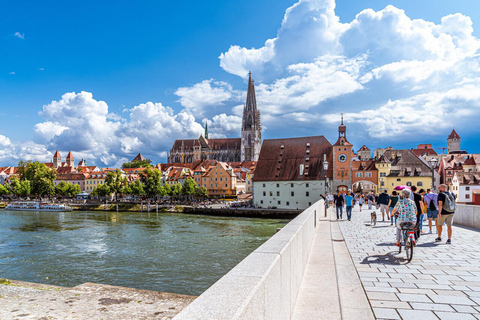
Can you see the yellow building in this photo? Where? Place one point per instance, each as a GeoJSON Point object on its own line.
{"type": "Point", "coordinates": [93, 180]}
{"type": "Point", "coordinates": [402, 167]}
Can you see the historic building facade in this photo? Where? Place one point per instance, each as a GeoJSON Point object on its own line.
{"type": "Point", "coordinates": [245, 148]}
{"type": "Point", "coordinates": [290, 173]}
{"type": "Point", "coordinates": [342, 161]}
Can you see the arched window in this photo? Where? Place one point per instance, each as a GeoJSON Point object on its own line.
{"type": "Point", "coordinates": [409, 184]}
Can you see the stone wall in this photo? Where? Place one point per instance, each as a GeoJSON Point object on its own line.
{"type": "Point", "coordinates": [467, 215]}
{"type": "Point", "coordinates": [265, 284]}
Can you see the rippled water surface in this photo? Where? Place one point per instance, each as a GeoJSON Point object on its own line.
{"type": "Point", "coordinates": [163, 252]}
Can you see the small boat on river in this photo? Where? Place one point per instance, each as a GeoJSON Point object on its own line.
{"type": "Point", "coordinates": [37, 206]}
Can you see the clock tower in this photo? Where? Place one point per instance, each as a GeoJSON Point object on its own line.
{"type": "Point", "coordinates": [342, 161]}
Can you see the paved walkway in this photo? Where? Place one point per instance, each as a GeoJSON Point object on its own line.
{"type": "Point", "coordinates": [331, 288]}
{"type": "Point", "coordinates": [441, 282]}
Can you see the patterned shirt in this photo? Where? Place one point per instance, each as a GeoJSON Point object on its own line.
{"type": "Point", "coordinates": [407, 210]}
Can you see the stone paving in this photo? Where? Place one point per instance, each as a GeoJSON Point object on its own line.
{"type": "Point", "coordinates": [441, 282]}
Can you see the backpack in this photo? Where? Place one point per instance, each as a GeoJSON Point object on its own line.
{"type": "Point", "coordinates": [432, 206]}
{"type": "Point", "coordinates": [449, 204]}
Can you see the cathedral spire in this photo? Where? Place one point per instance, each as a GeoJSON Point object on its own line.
{"type": "Point", "coordinates": [251, 100]}
{"type": "Point", "coordinates": [206, 129]}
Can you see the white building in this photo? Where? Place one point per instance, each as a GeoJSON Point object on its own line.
{"type": "Point", "coordinates": [290, 172]}
{"type": "Point", "coordinates": [463, 184]}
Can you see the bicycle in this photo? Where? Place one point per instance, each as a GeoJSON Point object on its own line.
{"type": "Point", "coordinates": [408, 239]}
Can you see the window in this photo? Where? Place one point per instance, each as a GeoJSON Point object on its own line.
{"type": "Point", "coordinates": [264, 193]}
{"type": "Point", "coordinates": [278, 193]}
{"type": "Point", "coordinates": [307, 185]}
{"type": "Point", "coordinates": [467, 188]}
{"type": "Point", "coordinates": [288, 203]}
{"type": "Point", "coordinates": [279, 202]}
{"type": "Point", "coordinates": [220, 179]}
{"type": "Point", "coordinates": [383, 174]}
{"type": "Point", "coordinates": [271, 193]}
{"type": "Point", "coordinates": [264, 185]}
{"type": "Point", "coordinates": [382, 184]}
{"type": "Point", "coordinates": [399, 179]}
{"type": "Point", "coordinates": [368, 174]}
{"type": "Point", "coordinates": [309, 204]}
{"type": "Point", "coordinates": [278, 185]}
{"type": "Point", "coordinates": [291, 185]}
{"type": "Point", "coordinates": [409, 184]}
{"type": "Point", "coordinates": [226, 185]}
{"type": "Point", "coordinates": [293, 194]}
{"type": "Point", "coordinates": [215, 179]}
{"type": "Point", "coordinates": [261, 201]}
{"type": "Point", "coordinates": [359, 174]}
{"type": "Point", "coordinates": [467, 196]}
{"type": "Point", "coordinates": [420, 184]}
{"type": "Point", "coordinates": [307, 194]}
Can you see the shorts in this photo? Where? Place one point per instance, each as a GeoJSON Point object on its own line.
{"type": "Point", "coordinates": [432, 214]}
{"type": "Point", "coordinates": [447, 218]}
{"type": "Point", "coordinates": [384, 208]}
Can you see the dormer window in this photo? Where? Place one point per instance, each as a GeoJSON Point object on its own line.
{"type": "Point", "coordinates": [282, 147]}
{"type": "Point", "coordinates": [308, 145]}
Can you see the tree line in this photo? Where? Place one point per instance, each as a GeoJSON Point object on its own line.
{"type": "Point", "coordinates": [36, 179]}
{"type": "Point", "coordinates": [149, 184]}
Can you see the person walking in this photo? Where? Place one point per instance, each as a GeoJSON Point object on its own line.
{"type": "Point", "coordinates": [349, 204]}
{"type": "Point", "coordinates": [430, 200]}
{"type": "Point", "coordinates": [424, 209]}
{"type": "Point", "coordinates": [391, 204]}
{"type": "Point", "coordinates": [446, 211]}
{"type": "Point", "coordinates": [369, 199]}
{"type": "Point", "coordinates": [339, 204]}
{"type": "Point", "coordinates": [407, 213]}
{"type": "Point", "coordinates": [383, 200]}
{"type": "Point", "coordinates": [361, 201]}
{"type": "Point", "coordinates": [417, 198]}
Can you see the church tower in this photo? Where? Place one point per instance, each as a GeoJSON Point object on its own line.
{"type": "Point", "coordinates": [251, 127]}
{"type": "Point", "coordinates": [342, 161]}
{"type": "Point", "coordinates": [57, 160]}
{"type": "Point", "coordinates": [70, 161]}
{"type": "Point", "coordinates": [453, 142]}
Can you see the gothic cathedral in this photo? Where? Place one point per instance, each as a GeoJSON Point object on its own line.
{"type": "Point", "coordinates": [246, 148]}
{"type": "Point", "coordinates": [251, 127]}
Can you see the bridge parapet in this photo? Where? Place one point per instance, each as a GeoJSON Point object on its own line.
{"type": "Point", "coordinates": [266, 283]}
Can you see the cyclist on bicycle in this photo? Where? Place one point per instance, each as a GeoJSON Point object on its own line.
{"type": "Point", "coordinates": [407, 213]}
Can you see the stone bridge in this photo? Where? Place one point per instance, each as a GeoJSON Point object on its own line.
{"type": "Point", "coordinates": [319, 268]}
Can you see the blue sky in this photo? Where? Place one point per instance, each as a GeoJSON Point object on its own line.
{"type": "Point", "coordinates": [150, 73]}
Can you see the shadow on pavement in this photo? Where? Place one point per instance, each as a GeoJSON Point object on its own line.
{"type": "Point", "coordinates": [388, 258]}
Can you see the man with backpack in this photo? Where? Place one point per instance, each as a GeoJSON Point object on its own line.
{"type": "Point", "coordinates": [431, 199]}
{"type": "Point", "coordinates": [446, 210]}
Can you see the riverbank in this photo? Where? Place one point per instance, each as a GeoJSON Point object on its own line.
{"type": "Point", "coordinates": [20, 299]}
{"type": "Point", "coordinates": [215, 210]}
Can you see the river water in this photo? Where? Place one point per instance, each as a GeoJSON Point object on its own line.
{"type": "Point", "coordinates": [166, 252]}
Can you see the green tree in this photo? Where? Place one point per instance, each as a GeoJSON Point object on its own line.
{"type": "Point", "coordinates": [115, 182]}
{"type": "Point", "coordinates": [137, 164]}
{"type": "Point", "coordinates": [67, 189]}
{"type": "Point", "coordinates": [152, 181]}
{"type": "Point", "coordinates": [201, 192]}
{"type": "Point", "coordinates": [20, 188]}
{"type": "Point", "coordinates": [134, 188]}
{"type": "Point", "coordinates": [176, 190]}
{"type": "Point", "coordinates": [40, 177]}
{"type": "Point", "coordinates": [102, 190]}
{"type": "Point", "coordinates": [5, 189]}
{"type": "Point", "coordinates": [188, 188]}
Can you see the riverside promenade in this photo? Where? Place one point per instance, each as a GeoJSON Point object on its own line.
{"type": "Point", "coordinates": [441, 282]}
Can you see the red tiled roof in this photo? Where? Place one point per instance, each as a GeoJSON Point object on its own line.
{"type": "Point", "coordinates": [280, 159]}
{"type": "Point", "coordinates": [71, 176]}
{"type": "Point", "coordinates": [64, 170]}
{"type": "Point", "coordinates": [427, 152]}
{"type": "Point", "coordinates": [139, 157]}
{"type": "Point", "coordinates": [57, 154]}
{"type": "Point", "coordinates": [470, 161]}
{"type": "Point", "coordinates": [454, 135]}
{"type": "Point", "coordinates": [368, 165]}
{"type": "Point", "coordinates": [69, 156]}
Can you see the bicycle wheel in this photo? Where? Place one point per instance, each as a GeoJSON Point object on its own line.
{"type": "Point", "coordinates": [409, 250]}
{"type": "Point", "coordinates": [401, 243]}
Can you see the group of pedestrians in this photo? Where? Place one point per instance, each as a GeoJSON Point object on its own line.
{"type": "Point", "coordinates": [408, 207]}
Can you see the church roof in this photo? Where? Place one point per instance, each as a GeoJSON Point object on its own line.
{"type": "Point", "coordinates": [57, 154]}
{"type": "Point", "coordinates": [281, 159]}
{"type": "Point", "coordinates": [454, 135]}
{"type": "Point", "coordinates": [214, 144]}
{"type": "Point", "coordinates": [69, 156]}
{"type": "Point", "coordinates": [139, 157]}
